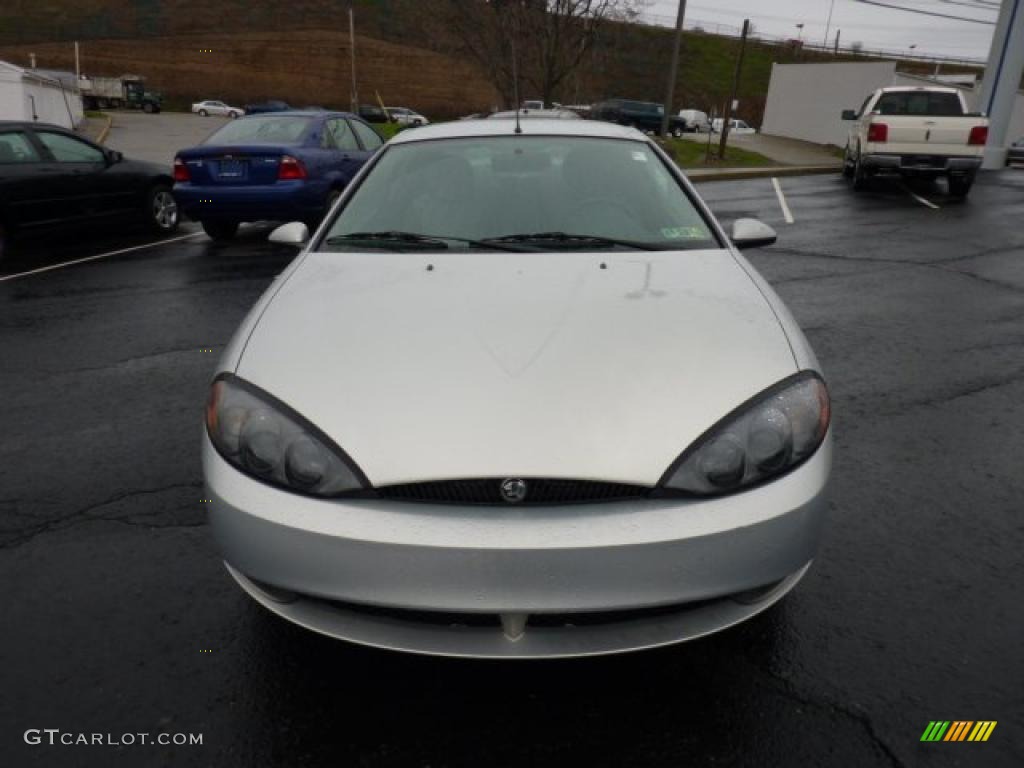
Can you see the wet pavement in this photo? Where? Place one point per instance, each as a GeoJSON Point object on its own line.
{"type": "Point", "coordinates": [119, 617]}
{"type": "Point", "coordinates": [156, 138]}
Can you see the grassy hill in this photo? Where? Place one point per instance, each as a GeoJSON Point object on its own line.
{"type": "Point", "coordinates": [301, 66]}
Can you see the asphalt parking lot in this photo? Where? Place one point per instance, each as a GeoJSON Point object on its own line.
{"type": "Point", "coordinates": [121, 619]}
{"type": "Point", "coordinates": [156, 138]}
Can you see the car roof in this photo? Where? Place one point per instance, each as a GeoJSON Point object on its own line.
{"type": "Point", "coordinates": [506, 127]}
{"type": "Point", "coordinates": [535, 114]}
{"type": "Point", "coordinates": [904, 88]}
{"type": "Point", "coordinates": [302, 113]}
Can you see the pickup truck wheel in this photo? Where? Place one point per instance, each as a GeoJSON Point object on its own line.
{"type": "Point", "coordinates": [959, 186]}
{"type": "Point", "coordinates": [677, 132]}
{"type": "Point", "coordinates": [148, 108]}
{"type": "Point", "coordinates": [860, 176]}
{"type": "Point", "coordinates": [219, 230]}
{"type": "Point", "coordinates": [847, 164]}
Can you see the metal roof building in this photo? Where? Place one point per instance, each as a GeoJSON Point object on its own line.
{"type": "Point", "coordinates": [37, 95]}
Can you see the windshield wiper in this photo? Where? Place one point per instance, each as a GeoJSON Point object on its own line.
{"type": "Point", "coordinates": [565, 238]}
{"type": "Point", "coordinates": [392, 237]}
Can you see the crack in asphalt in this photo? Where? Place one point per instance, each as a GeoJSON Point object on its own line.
{"type": "Point", "coordinates": [826, 276]}
{"type": "Point", "coordinates": [939, 266]}
{"type": "Point", "coordinates": [786, 688]}
{"type": "Point", "coordinates": [28, 533]}
{"type": "Point", "coordinates": [846, 259]}
{"type": "Point", "coordinates": [988, 346]}
{"type": "Point", "coordinates": [984, 252]}
{"type": "Point", "coordinates": [125, 361]}
{"type": "Point", "coordinates": [966, 391]}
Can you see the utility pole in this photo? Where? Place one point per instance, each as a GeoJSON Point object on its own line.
{"type": "Point", "coordinates": [78, 69]}
{"type": "Point", "coordinates": [352, 49]}
{"type": "Point", "coordinates": [673, 70]}
{"type": "Point", "coordinates": [727, 116]}
{"type": "Point", "coordinates": [836, 52]}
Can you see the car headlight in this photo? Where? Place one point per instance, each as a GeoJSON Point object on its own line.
{"type": "Point", "coordinates": [768, 435]}
{"type": "Point", "coordinates": [265, 438]}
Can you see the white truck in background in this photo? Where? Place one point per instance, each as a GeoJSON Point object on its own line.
{"type": "Point", "coordinates": [915, 131]}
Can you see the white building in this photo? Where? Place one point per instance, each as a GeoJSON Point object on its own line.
{"type": "Point", "coordinates": [29, 95]}
{"type": "Point", "coordinates": [805, 101]}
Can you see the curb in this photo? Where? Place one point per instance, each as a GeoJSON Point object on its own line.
{"type": "Point", "coordinates": [106, 129]}
{"type": "Point", "coordinates": [699, 175]}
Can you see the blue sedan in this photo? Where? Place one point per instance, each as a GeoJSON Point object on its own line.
{"type": "Point", "coordinates": [283, 166]}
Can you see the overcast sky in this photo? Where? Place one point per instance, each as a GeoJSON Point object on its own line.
{"type": "Point", "coordinates": [873, 26]}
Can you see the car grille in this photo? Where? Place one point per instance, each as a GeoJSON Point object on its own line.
{"type": "Point", "coordinates": [489, 491]}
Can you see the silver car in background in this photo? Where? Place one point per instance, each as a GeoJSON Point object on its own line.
{"type": "Point", "coordinates": [217, 108]}
{"type": "Point", "coordinates": [519, 396]}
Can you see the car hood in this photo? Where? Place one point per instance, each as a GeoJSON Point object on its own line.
{"type": "Point", "coordinates": [588, 366]}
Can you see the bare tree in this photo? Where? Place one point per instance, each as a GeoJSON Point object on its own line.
{"type": "Point", "coordinates": [548, 38]}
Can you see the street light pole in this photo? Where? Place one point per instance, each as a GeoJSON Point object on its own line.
{"type": "Point", "coordinates": [828, 23]}
{"type": "Point", "coordinates": [727, 116]}
{"type": "Point", "coordinates": [673, 70]}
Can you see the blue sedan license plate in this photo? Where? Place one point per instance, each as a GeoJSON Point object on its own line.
{"type": "Point", "coordinates": [231, 169]}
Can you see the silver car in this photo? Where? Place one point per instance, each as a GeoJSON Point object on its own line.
{"type": "Point", "coordinates": [518, 396]}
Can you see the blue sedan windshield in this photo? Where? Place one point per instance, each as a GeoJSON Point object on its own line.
{"type": "Point", "coordinates": [262, 129]}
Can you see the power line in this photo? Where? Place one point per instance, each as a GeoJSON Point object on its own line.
{"type": "Point", "coordinates": [926, 13]}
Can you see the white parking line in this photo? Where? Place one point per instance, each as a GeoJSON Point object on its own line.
{"type": "Point", "coordinates": [922, 200]}
{"type": "Point", "coordinates": [786, 213]}
{"type": "Point", "coordinates": [98, 256]}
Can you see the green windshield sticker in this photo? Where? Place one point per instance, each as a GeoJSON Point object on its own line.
{"type": "Point", "coordinates": [684, 233]}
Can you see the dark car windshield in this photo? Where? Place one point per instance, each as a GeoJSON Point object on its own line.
{"type": "Point", "coordinates": [644, 106]}
{"type": "Point", "coordinates": [262, 129]}
{"type": "Point", "coordinates": [538, 190]}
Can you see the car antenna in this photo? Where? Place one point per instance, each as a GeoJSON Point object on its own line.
{"type": "Point", "coordinates": [515, 84]}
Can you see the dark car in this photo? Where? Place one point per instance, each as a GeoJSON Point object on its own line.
{"type": "Point", "coordinates": [373, 114]}
{"type": "Point", "coordinates": [49, 176]}
{"type": "Point", "coordinates": [1016, 152]}
{"type": "Point", "coordinates": [645, 115]}
{"type": "Point", "coordinates": [282, 166]}
{"type": "Point", "coordinates": [266, 106]}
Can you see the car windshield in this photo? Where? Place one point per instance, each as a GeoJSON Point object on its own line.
{"type": "Point", "coordinates": [264, 129]}
{"type": "Point", "coordinates": [538, 193]}
{"type": "Point", "coordinates": [644, 106]}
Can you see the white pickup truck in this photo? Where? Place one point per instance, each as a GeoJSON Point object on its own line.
{"type": "Point", "coordinates": [912, 131]}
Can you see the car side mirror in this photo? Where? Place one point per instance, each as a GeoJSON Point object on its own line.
{"type": "Point", "coordinates": [114, 157]}
{"type": "Point", "coordinates": [849, 114]}
{"type": "Point", "coordinates": [294, 233]}
{"type": "Point", "coordinates": [751, 233]}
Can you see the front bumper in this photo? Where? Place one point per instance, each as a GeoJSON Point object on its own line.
{"type": "Point", "coordinates": [921, 164]}
{"type": "Point", "coordinates": [405, 575]}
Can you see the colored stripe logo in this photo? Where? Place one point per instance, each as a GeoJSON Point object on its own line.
{"type": "Point", "coordinates": [958, 730]}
